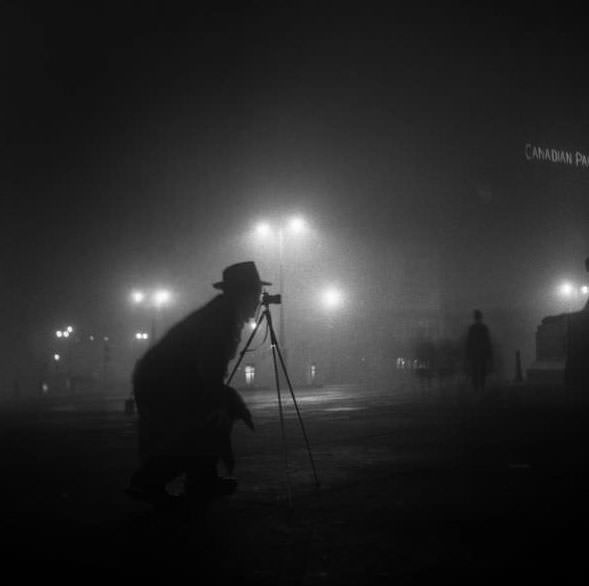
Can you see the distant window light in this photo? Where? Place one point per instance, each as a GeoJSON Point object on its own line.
{"type": "Point", "coordinates": [312, 373]}
{"type": "Point", "coordinates": [250, 374]}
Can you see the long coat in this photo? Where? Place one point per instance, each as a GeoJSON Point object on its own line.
{"type": "Point", "coordinates": [479, 350]}
{"type": "Point", "coordinates": [179, 382]}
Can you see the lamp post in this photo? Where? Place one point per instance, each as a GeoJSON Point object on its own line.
{"type": "Point", "coordinates": [277, 234]}
{"type": "Point", "coordinates": [154, 300]}
{"type": "Point", "coordinates": [332, 299]}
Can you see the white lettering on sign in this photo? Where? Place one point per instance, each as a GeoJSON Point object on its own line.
{"type": "Point", "coordinates": [534, 152]}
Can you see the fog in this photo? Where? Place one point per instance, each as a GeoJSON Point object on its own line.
{"type": "Point", "coordinates": [142, 150]}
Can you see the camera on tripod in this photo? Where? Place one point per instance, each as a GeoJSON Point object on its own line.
{"type": "Point", "coordinates": [278, 360]}
{"type": "Point", "coordinates": [268, 299]}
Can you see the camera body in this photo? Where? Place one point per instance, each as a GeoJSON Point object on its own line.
{"type": "Point", "coordinates": [268, 299]}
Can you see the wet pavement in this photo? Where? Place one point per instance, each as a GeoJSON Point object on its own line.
{"type": "Point", "coordinates": [414, 488]}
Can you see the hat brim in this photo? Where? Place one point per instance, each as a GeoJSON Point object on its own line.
{"type": "Point", "coordinates": [223, 285]}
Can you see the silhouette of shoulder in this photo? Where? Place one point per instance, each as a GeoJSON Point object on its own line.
{"type": "Point", "coordinates": [210, 331]}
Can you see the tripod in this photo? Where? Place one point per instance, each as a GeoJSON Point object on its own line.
{"type": "Point", "coordinates": [277, 357]}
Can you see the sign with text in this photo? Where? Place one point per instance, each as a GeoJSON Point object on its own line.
{"type": "Point", "coordinates": [557, 156]}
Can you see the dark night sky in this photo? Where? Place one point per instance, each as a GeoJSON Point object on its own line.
{"type": "Point", "coordinates": [140, 139]}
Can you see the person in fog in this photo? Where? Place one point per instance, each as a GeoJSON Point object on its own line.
{"type": "Point", "coordinates": [479, 353]}
{"type": "Point", "coordinates": [185, 410]}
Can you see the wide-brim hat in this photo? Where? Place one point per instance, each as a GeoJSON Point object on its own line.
{"type": "Point", "coordinates": [240, 276]}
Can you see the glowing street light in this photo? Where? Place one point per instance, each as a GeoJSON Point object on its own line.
{"type": "Point", "coordinates": [153, 299]}
{"type": "Point", "coordinates": [332, 298]}
{"type": "Point", "coordinates": [571, 293]}
{"type": "Point", "coordinates": [297, 225]}
{"type": "Point", "coordinates": [263, 229]}
{"type": "Point", "coordinates": [161, 297]}
{"type": "Point", "coordinates": [137, 296]}
{"type": "Point", "coordinates": [65, 333]}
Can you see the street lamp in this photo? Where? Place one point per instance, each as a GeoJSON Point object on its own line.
{"type": "Point", "coordinates": [571, 293]}
{"type": "Point", "coordinates": [566, 289]}
{"type": "Point", "coordinates": [153, 299]}
{"type": "Point", "coordinates": [332, 299]}
{"type": "Point", "coordinates": [137, 296]}
{"type": "Point", "coordinates": [161, 297]}
{"type": "Point", "coordinates": [276, 234]}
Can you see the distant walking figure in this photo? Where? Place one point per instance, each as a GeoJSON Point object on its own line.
{"type": "Point", "coordinates": [479, 352]}
{"type": "Point", "coordinates": [186, 412]}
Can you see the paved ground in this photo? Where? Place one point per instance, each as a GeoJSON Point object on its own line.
{"type": "Point", "coordinates": [413, 489]}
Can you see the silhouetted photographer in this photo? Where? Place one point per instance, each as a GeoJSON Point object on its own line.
{"type": "Point", "coordinates": [186, 411]}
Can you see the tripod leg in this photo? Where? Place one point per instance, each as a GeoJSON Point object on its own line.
{"type": "Point", "coordinates": [297, 411]}
{"type": "Point", "coordinates": [281, 412]}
